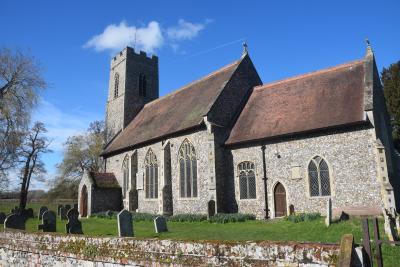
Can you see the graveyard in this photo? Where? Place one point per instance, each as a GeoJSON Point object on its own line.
{"type": "Point", "coordinates": [314, 230]}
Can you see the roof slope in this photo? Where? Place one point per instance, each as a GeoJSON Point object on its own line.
{"type": "Point", "coordinates": [104, 179]}
{"type": "Point", "coordinates": [318, 100]}
{"type": "Point", "coordinates": [178, 111]}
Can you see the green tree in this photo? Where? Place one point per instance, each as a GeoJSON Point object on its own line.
{"type": "Point", "coordinates": [81, 152]}
{"type": "Point", "coordinates": [391, 83]}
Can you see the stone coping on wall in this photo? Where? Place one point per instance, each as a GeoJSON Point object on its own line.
{"type": "Point", "coordinates": [164, 252]}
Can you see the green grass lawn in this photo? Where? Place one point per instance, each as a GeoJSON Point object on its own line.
{"type": "Point", "coordinates": [277, 230]}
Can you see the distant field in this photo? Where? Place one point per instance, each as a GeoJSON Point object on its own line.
{"type": "Point", "coordinates": [314, 231]}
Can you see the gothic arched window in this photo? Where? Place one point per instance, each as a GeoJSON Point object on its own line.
{"type": "Point", "coordinates": [151, 174]}
{"type": "Point", "coordinates": [247, 180]}
{"type": "Point", "coordinates": [116, 85]}
{"type": "Point", "coordinates": [318, 173]}
{"type": "Point", "coordinates": [125, 171]}
{"type": "Point", "coordinates": [142, 84]}
{"type": "Point", "coordinates": [188, 170]}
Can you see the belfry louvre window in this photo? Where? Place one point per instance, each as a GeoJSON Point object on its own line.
{"type": "Point", "coordinates": [142, 84]}
{"type": "Point", "coordinates": [247, 180]}
{"type": "Point", "coordinates": [188, 170]}
{"type": "Point", "coordinates": [116, 85]}
{"type": "Point", "coordinates": [151, 175]}
{"type": "Point", "coordinates": [318, 173]}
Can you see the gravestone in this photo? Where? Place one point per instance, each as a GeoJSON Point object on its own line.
{"type": "Point", "coordinates": [328, 219]}
{"type": "Point", "coordinates": [211, 209]}
{"type": "Point", "coordinates": [29, 213]}
{"type": "Point", "coordinates": [59, 206]}
{"type": "Point", "coordinates": [63, 213]}
{"type": "Point", "coordinates": [125, 227]}
{"type": "Point", "coordinates": [67, 207]}
{"type": "Point", "coordinates": [344, 216]}
{"type": "Point", "coordinates": [14, 221]}
{"type": "Point", "coordinates": [109, 214]}
{"type": "Point", "coordinates": [291, 209]}
{"type": "Point", "coordinates": [41, 211]}
{"type": "Point", "coordinates": [49, 219]}
{"type": "Point", "coordinates": [2, 217]}
{"type": "Point", "coordinates": [160, 224]}
{"type": "Point", "coordinates": [74, 226]}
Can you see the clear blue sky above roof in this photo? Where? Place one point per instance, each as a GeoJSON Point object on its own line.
{"type": "Point", "coordinates": [191, 38]}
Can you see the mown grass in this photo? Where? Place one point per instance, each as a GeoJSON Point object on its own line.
{"type": "Point", "coordinates": [277, 230]}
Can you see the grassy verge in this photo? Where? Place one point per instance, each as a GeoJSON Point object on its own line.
{"type": "Point", "coordinates": [278, 230]}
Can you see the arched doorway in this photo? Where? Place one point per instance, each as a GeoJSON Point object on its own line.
{"type": "Point", "coordinates": [280, 200]}
{"type": "Point", "coordinates": [84, 202]}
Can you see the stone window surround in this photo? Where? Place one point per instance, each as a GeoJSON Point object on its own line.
{"type": "Point", "coordinates": [331, 178]}
{"type": "Point", "coordinates": [197, 175]}
{"type": "Point", "coordinates": [125, 184]}
{"type": "Point", "coordinates": [156, 198]}
{"type": "Point", "coordinates": [255, 177]}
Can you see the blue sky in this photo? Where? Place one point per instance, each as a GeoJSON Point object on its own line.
{"type": "Point", "coordinates": [74, 40]}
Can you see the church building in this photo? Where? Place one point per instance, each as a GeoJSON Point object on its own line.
{"type": "Point", "coordinates": [228, 143]}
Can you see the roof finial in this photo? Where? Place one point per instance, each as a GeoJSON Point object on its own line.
{"type": "Point", "coordinates": [369, 48]}
{"type": "Point", "coordinates": [245, 52]}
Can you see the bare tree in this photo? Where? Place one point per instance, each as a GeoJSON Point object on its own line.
{"type": "Point", "coordinates": [34, 145]}
{"type": "Point", "coordinates": [20, 82]}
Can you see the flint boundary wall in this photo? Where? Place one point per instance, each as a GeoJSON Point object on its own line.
{"type": "Point", "coordinates": [19, 248]}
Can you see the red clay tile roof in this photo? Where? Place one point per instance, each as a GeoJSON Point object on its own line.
{"type": "Point", "coordinates": [105, 179]}
{"type": "Point", "coordinates": [178, 111]}
{"type": "Point", "coordinates": [318, 100]}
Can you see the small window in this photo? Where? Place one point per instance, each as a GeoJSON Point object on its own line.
{"type": "Point", "coordinates": [318, 174]}
{"type": "Point", "coordinates": [247, 180]}
{"type": "Point", "coordinates": [125, 171]}
{"type": "Point", "coordinates": [116, 85]}
{"type": "Point", "coordinates": [151, 175]}
{"type": "Point", "coordinates": [142, 85]}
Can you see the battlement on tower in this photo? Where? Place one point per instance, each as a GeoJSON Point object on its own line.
{"type": "Point", "coordinates": [137, 57]}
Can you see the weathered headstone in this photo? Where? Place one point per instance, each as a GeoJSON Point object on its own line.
{"type": "Point", "coordinates": [49, 219]}
{"type": "Point", "coordinates": [2, 217]}
{"type": "Point", "coordinates": [68, 207]}
{"type": "Point", "coordinates": [74, 226]}
{"type": "Point", "coordinates": [160, 224]}
{"type": "Point", "coordinates": [125, 226]}
{"type": "Point", "coordinates": [14, 221]}
{"type": "Point", "coordinates": [59, 206]}
{"type": "Point", "coordinates": [291, 209]}
{"type": "Point", "coordinates": [344, 216]}
{"type": "Point", "coordinates": [328, 219]}
{"type": "Point", "coordinates": [41, 211]}
{"type": "Point", "coordinates": [63, 213]}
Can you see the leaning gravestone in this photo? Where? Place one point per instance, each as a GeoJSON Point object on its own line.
{"type": "Point", "coordinates": [59, 206]}
{"type": "Point", "coordinates": [14, 221]}
{"type": "Point", "coordinates": [74, 226]}
{"type": "Point", "coordinates": [41, 211]}
{"type": "Point", "coordinates": [160, 224]}
{"type": "Point", "coordinates": [63, 213]}
{"type": "Point", "coordinates": [49, 219]}
{"type": "Point", "coordinates": [125, 227]}
{"type": "Point", "coordinates": [328, 219]}
{"type": "Point", "coordinates": [2, 217]}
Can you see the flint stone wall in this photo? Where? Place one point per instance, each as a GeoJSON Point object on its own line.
{"type": "Point", "coordinates": [23, 249]}
{"type": "Point", "coordinates": [352, 168]}
{"type": "Point", "coordinates": [202, 145]}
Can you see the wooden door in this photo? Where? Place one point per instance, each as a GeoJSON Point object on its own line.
{"type": "Point", "coordinates": [84, 202]}
{"type": "Point", "coordinates": [280, 200]}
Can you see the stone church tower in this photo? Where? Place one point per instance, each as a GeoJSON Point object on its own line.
{"type": "Point", "coordinates": [133, 83]}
